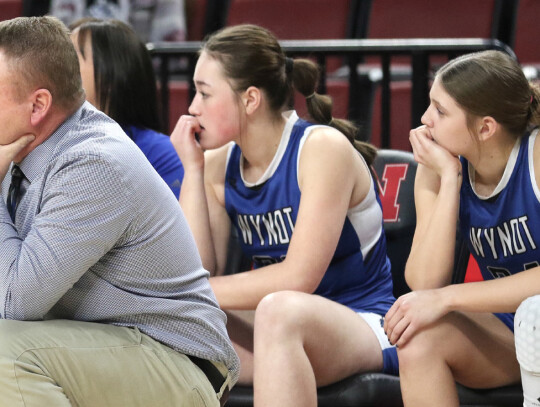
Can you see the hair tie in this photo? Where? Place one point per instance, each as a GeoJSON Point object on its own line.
{"type": "Point", "coordinates": [310, 96]}
{"type": "Point", "coordinates": [289, 65]}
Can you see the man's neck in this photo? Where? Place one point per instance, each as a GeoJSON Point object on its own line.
{"type": "Point", "coordinates": [46, 129]}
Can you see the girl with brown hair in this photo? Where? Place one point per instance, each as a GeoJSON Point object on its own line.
{"type": "Point", "coordinates": [305, 207]}
{"type": "Point", "coordinates": [479, 166]}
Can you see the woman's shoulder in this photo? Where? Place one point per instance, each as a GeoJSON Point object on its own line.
{"type": "Point", "coordinates": [327, 149]}
{"type": "Point", "coordinates": [155, 145]}
{"type": "Point", "coordinates": [215, 162]}
{"type": "Point", "coordinates": [321, 137]}
{"type": "Point", "coordinates": [145, 137]}
{"type": "Point", "coordinates": [330, 148]}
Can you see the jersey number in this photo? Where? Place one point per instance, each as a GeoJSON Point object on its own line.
{"type": "Point", "coordinates": [262, 261]}
{"type": "Point", "coordinates": [498, 272]}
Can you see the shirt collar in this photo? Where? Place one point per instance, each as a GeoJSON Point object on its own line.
{"type": "Point", "coordinates": [35, 162]}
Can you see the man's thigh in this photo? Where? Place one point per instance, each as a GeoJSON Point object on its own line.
{"type": "Point", "coordinates": [63, 362]}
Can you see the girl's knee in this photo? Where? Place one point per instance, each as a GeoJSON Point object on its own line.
{"type": "Point", "coordinates": [279, 313]}
{"type": "Point", "coordinates": [425, 345]}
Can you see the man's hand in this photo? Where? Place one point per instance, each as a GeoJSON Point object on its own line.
{"type": "Point", "coordinates": [9, 151]}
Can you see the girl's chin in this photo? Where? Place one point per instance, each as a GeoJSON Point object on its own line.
{"type": "Point", "coordinates": [207, 143]}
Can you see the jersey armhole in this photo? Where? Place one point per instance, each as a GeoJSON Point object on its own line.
{"type": "Point", "coordinates": [532, 173]}
{"type": "Point", "coordinates": [229, 153]}
{"type": "Point", "coordinates": [306, 134]}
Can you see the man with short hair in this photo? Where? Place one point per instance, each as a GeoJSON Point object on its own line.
{"type": "Point", "coordinates": [103, 297]}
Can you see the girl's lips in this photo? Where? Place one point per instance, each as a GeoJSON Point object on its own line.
{"type": "Point", "coordinates": [432, 138]}
{"type": "Point", "coordinates": [198, 134]}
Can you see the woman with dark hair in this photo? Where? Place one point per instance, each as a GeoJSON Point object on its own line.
{"type": "Point", "coordinates": [304, 204]}
{"type": "Point", "coordinates": [118, 78]}
{"type": "Point", "coordinates": [479, 167]}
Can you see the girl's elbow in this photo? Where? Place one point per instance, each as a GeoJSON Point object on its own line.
{"type": "Point", "coordinates": [296, 275]}
{"type": "Point", "coordinates": [306, 284]}
{"type": "Point", "coordinates": [409, 278]}
{"type": "Point", "coordinates": [412, 279]}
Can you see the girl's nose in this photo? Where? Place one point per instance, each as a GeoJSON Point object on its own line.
{"type": "Point", "coordinates": [193, 108]}
{"type": "Point", "coordinates": [425, 119]}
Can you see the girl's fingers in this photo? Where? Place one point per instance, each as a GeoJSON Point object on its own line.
{"type": "Point", "coordinates": [397, 333]}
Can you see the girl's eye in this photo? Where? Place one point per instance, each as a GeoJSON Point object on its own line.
{"type": "Point", "coordinates": [440, 111]}
{"type": "Point", "coordinates": [203, 94]}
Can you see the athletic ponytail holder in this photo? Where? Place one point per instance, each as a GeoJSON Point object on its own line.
{"type": "Point", "coordinates": [289, 65]}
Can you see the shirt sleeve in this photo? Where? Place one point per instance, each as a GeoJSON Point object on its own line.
{"type": "Point", "coordinates": [83, 214]}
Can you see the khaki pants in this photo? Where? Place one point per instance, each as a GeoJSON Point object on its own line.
{"type": "Point", "coordinates": [60, 363]}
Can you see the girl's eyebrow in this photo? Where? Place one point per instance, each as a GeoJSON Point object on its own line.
{"type": "Point", "coordinates": [435, 101]}
{"type": "Point", "coordinates": [201, 83]}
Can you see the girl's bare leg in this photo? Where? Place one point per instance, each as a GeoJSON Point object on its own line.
{"type": "Point", "coordinates": [474, 349]}
{"type": "Point", "coordinates": [303, 341]}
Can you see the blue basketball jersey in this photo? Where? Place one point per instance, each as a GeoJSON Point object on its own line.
{"type": "Point", "coordinates": [503, 230]}
{"type": "Point", "coordinates": [265, 214]}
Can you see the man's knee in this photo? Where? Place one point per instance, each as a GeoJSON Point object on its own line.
{"type": "Point", "coordinates": [16, 337]}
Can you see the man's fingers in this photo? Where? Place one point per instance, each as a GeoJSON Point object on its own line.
{"type": "Point", "coordinates": [10, 151]}
{"type": "Point", "coordinates": [25, 140]}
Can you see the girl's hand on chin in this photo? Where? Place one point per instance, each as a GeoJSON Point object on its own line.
{"type": "Point", "coordinates": [429, 153]}
{"type": "Point", "coordinates": [186, 144]}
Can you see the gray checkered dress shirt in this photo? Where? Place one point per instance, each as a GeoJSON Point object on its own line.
{"type": "Point", "coordinates": [98, 236]}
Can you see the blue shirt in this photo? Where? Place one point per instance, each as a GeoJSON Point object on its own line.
{"type": "Point", "coordinates": [157, 147]}
{"type": "Point", "coordinates": [99, 237]}
{"type": "Point", "coordinates": [359, 273]}
{"type": "Point", "coordinates": [502, 230]}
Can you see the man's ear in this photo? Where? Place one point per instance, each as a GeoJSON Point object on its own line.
{"type": "Point", "coordinates": [251, 99]}
{"type": "Point", "coordinates": [41, 105]}
{"type": "Point", "coordinates": [487, 127]}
